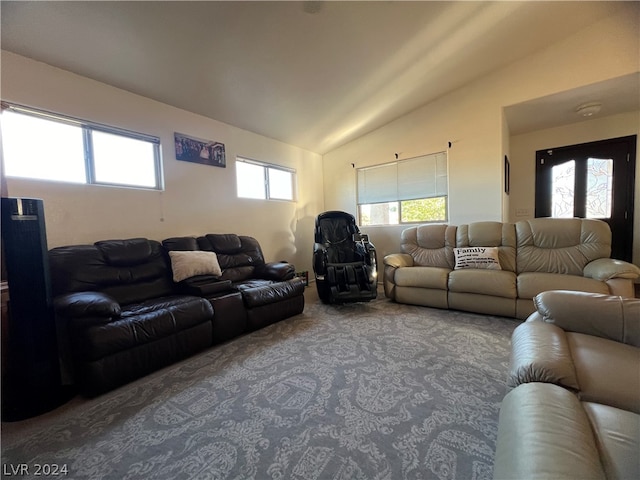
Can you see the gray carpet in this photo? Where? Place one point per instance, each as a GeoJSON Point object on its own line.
{"type": "Point", "coordinates": [361, 391]}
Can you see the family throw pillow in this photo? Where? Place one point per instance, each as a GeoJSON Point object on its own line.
{"type": "Point", "coordinates": [477, 257]}
{"type": "Point", "coordinates": [192, 263]}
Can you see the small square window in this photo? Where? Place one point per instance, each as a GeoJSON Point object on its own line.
{"type": "Point", "coordinates": [264, 181]}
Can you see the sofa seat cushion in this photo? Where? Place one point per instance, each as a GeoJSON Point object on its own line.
{"type": "Point", "coordinates": [425, 277]}
{"type": "Point", "coordinates": [263, 292]}
{"type": "Point", "coordinates": [143, 323]}
{"type": "Point", "coordinates": [608, 372]}
{"type": "Point", "coordinates": [531, 284]}
{"type": "Point", "coordinates": [497, 283]}
{"type": "Point", "coordinates": [618, 437]}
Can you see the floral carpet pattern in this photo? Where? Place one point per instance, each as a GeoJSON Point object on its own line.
{"type": "Point", "coordinates": [363, 391]}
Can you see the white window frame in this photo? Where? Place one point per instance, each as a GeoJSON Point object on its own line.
{"type": "Point", "coordinates": [267, 188]}
{"type": "Point", "coordinates": [418, 178]}
{"type": "Point", "coordinates": [88, 128]}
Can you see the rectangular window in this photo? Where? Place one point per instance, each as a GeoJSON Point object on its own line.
{"type": "Point", "coordinates": [406, 191]}
{"type": "Point", "coordinates": [47, 146]}
{"type": "Point", "coordinates": [264, 181]}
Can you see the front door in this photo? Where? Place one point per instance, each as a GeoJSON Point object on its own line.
{"type": "Point", "coordinates": [591, 180]}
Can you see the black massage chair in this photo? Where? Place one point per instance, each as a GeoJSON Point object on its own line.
{"type": "Point", "coordinates": [344, 261]}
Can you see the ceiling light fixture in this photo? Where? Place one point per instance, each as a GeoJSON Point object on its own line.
{"type": "Point", "coordinates": [588, 109]}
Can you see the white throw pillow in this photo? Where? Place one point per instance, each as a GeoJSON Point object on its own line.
{"type": "Point", "coordinates": [477, 257]}
{"type": "Point", "coordinates": [192, 263]}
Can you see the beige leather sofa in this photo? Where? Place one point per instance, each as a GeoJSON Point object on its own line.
{"type": "Point", "coordinates": [534, 256]}
{"type": "Point", "coordinates": [574, 410]}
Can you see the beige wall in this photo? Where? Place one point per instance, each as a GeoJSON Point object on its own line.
{"type": "Point", "coordinates": [200, 199]}
{"type": "Point", "coordinates": [197, 199]}
{"type": "Point", "coordinates": [472, 119]}
{"type": "Point", "coordinates": [523, 166]}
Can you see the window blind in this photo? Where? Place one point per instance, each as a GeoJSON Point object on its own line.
{"type": "Point", "coordinates": [418, 177]}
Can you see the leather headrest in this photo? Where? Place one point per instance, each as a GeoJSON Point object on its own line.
{"type": "Point", "coordinates": [227, 243]}
{"type": "Point", "coordinates": [182, 244]}
{"type": "Point", "coordinates": [123, 253]}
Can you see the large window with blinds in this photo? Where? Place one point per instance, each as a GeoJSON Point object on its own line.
{"type": "Point", "coordinates": [405, 191]}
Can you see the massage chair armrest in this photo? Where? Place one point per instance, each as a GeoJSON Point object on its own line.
{"type": "Point", "coordinates": [606, 316]}
{"type": "Point", "coordinates": [87, 307]}
{"type": "Point", "coordinates": [278, 271]}
{"type": "Point", "coordinates": [320, 259]}
{"type": "Point", "coordinates": [604, 269]}
{"type": "Point", "coordinates": [366, 250]}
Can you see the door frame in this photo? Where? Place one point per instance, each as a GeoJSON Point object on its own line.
{"type": "Point", "coordinates": [623, 188]}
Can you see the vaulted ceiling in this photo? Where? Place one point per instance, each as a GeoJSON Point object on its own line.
{"type": "Point", "coordinates": [312, 74]}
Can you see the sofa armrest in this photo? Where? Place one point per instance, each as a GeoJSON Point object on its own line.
{"type": "Point", "coordinates": [606, 316]}
{"type": "Point", "coordinates": [272, 293]}
{"type": "Point", "coordinates": [398, 260]}
{"type": "Point", "coordinates": [392, 262]}
{"type": "Point", "coordinates": [544, 432]}
{"type": "Point", "coordinates": [604, 269]}
{"type": "Point", "coordinates": [540, 353]}
{"type": "Point", "coordinates": [204, 285]}
{"type": "Point", "coordinates": [278, 271]}
{"type": "Point", "coordinates": [99, 307]}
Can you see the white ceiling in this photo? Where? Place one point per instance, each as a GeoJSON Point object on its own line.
{"type": "Point", "coordinates": [617, 95]}
{"type": "Point", "coordinates": [311, 74]}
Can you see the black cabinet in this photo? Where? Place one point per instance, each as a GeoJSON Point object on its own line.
{"type": "Point", "coordinates": [31, 382]}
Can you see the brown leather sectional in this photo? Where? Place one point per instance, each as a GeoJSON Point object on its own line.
{"type": "Point", "coordinates": [120, 315]}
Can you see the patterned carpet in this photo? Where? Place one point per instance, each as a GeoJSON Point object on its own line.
{"type": "Point", "coordinates": [361, 391]}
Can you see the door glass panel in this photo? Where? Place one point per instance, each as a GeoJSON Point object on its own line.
{"type": "Point", "coordinates": [562, 189]}
{"type": "Point", "coordinates": [599, 187]}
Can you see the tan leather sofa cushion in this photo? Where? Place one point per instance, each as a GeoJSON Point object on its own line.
{"type": "Point", "coordinates": [531, 284]}
{"type": "Point", "coordinates": [497, 283]}
{"type": "Point", "coordinates": [605, 316]}
{"type": "Point", "coordinates": [618, 439]}
{"type": "Point", "coordinates": [561, 245]}
{"type": "Point", "coordinates": [477, 303]}
{"type": "Point", "coordinates": [491, 234]}
{"type": "Point", "coordinates": [430, 245]}
{"type": "Point", "coordinates": [544, 433]}
{"type": "Point", "coordinates": [426, 277]}
{"type": "Point", "coordinates": [608, 372]}
{"type": "Point", "coordinates": [540, 353]}
{"type": "Point", "coordinates": [428, 297]}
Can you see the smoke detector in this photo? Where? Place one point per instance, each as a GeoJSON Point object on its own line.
{"type": "Point", "coordinates": [588, 109]}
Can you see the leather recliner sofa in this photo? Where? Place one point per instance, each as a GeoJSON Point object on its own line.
{"type": "Point", "coordinates": [533, 256]}
{"type": "Point", "coordinates": [250, 293]}
{"type": "Point", "coordinates": [574, 408]}
{"type": "Point", "coordinates": [120, 315]}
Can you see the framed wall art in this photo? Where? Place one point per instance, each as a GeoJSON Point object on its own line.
{"type": "Point", "coordinates": [197, 150]}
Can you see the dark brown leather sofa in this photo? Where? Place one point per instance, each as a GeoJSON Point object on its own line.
{"type": "Point", "coordinates": [250, 293]}
{"type": "Point", "coordinates": [120, 315]}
